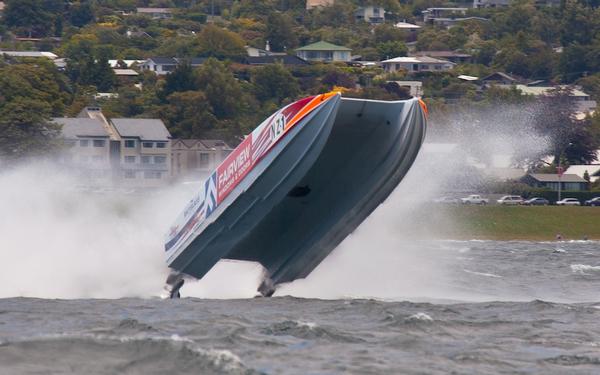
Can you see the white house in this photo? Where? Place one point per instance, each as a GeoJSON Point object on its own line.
{"type": "Point", "coordinates": [165, 65]}
{"type": "Point", "coordinates": [416, 64]}
{"type": "Point", "coordinates": [324, 52]}
{"type": "Point", "coordinates": [310, 4]}
{"type": "Point", "coordinates": [156, 13]}
{"type": "Point", "coordinates": [30, 54]}
{"type": "Point", "coordinates": [371, 14]}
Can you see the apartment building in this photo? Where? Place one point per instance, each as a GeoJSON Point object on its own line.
{"type": "Point", "coordinates": [87, 149]}
{"type": "Point", "coordinates": [134, 153]}
{"type": "Point", "coordinates": [196, 158]}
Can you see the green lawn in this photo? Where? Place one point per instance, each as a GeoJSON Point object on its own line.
{"type": "Point", "coordinates": [515, 223]}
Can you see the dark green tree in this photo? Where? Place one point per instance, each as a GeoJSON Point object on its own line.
{"type": "Point", "coordinates": [274, 82]}
{"type": "Point", "coordinates": [280, 32]}
{"type": "Point", "coordinates": [27, 17]}
{"type": "Point", "coordinates": [81, 13]}
{"type": "Point", "coordinates": [26, 129]}
{"type": "Point", "coordinates": [181, 79]}
{"type": "Point", "coordinates": [188, 114]}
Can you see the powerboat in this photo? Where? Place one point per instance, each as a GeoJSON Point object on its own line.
{"type": "Point", "coordinates": [301, 182]}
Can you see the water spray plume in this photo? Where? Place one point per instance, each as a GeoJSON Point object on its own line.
{"type": "Point", "coordinates": [58, 242]}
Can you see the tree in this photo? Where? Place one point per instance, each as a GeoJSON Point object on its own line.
{"type": "Point", "coordinates": [26, 130]}
{"type": "Point", "coordinates": [222, 90]}
{"type": "Point", "coordinates": [27, 16]}
{"type": "Point", "coordinates": [181, 79]}
{"type": "Point", "coordinates": [280, 33]}
{"type": "Point", "coordinates": [220, 43]}
{"type": "Point", "coordinates": [569, 137]}
{"type": "Point", "coordinates": [189, 115]}
{"type": "Point", "coordinates": [391, 49]}
{"type": "Point", "coordinates": [274, 81]}
{"type": "Point", "coordinates": [81, 13]}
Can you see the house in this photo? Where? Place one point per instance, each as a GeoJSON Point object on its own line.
{"type": "Point", "coordinates": [410, 27]}
{"type": "Point", "coordinates": [551, 181]}
{"type": "Point", "coordinates": [310, 4]}
{"type": "Point", "coordinates": [134, 153]}
{"type": "Point", "coordinates": [126, 75]}
{"type": "Point", "coordinates": [431, 14]}
{"type": "Point", "coordinates": [124, 63]}
{"type": "Point", "coordinates": [582, 101]}
{"type": "Point", "coordinates": [156, 13]}
{"type": "Point", "coordinates": [490, 3]}
{"type": "Point", "coordinates": [416, 64]}
{"type": "Point", "coordinates": [593, 171]}
{"type": "Point", "coordinates": [371, 14]}
{"type": "Point", "coordinates": [273, 59]}
{"type": "Point", "coordinates": [505, 3]}
{"type": "Point", "coordinates": [415, 88]}
{"type": "Point", "coordinates": [160, 65]}
{"type": "Point", "coordinates": [499, 78]}
{"type": "Point", "coordinates": [324, 52]}
{"type": "Point", "coordinates": [30, 54]}
{"type": "Point", "coordinates": [165, 65]}
{"type": "Point", "coordinates": [452, 56]}
{"type": "Point", "coordinates": [255, 52]}
{"type": "Point", "coordinates": [448, 17]}
{"type": "Point", "coordinates": [87, 149]}
{"type": "Point", "coordinates": [196, 158]}
{"type": "Point", "coordinates": [145, 151]}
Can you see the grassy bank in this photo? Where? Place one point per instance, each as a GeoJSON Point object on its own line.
{"type": "Point", "coordinates": [514, 223]}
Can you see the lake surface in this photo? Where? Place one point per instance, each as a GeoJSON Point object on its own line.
{"type": "Point", "coordinates": [505, 307]}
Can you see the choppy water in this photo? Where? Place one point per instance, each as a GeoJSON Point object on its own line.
{"type": "Point", "coordinates": [538, 312]}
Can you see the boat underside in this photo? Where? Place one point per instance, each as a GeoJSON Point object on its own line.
{"type": "Point", "coordinates": [318, 187]}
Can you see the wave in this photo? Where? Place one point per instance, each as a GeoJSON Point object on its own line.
{"type": "Point", "coordinates": [482, 273]}
{"type": "Point", "coordinates": [583, 269]}
{"type": "Point", "coordinates": [308, 331]}
{"type": "Point", "coordinates": [139, 353]}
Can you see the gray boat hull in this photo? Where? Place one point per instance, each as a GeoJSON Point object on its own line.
{"type": "Point", "coordinates": [312, 190]}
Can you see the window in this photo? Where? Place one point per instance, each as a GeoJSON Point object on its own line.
{"type": "Point", "coordinates": [161, 144]}
{"type": "Point", "coordinates": [129, 159]}
{"type": "Point", "coordinates": [203, 159]}
{"type": "Point", "coordinates": [129, 143]}
{"type": "Point", "coordinates": [152, 175]}
{"type": "Point", "coordinates": [84, 143]}
{"type": "Point", "coordinates": [146, 159]}
{"type": "Point", "coordinates": [99, 142]}
{"type": "Point", "coordinates": [147, 144]}
{"type": "Point", "coordinates": [129, 174]}
{"type": "Point", "coordinates": [160, 159]}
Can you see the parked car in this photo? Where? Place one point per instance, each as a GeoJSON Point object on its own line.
{"type": "Point", "coordinates": [593, 202]}
{"type": "Point", "coordinates": [474, 199]}
{"type": "Point", "coordinates": [568, 202]}
{"type": "Point", "coordinates": [510, 200]}
{"type": "Point", "coordinates": [447, 200]}
{"type": "Point", "coordinates": [537, 201]}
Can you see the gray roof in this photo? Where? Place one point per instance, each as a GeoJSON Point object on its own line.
{"type": "Point", "coordinates": [552, 177]}
{"type": "Point", "coordinates": [144, 129]}
{"type": "Point", "coordinates": [164, 60]}
{"type": "Point", "coordinates": [81, 127]}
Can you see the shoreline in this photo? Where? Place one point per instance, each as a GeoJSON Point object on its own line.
{"type": "Point", "coordinates": [508, 223]}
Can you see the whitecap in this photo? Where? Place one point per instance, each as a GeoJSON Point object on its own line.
{"type": "Point", "coordinates": [482, 273]}
{"type": "Point", "coordinates": [582, 268]}
{"type": "Point", "coordinates": [420, 316]}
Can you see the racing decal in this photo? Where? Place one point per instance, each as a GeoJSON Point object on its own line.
{"type": "Point", "coordinates": [237, 165]}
